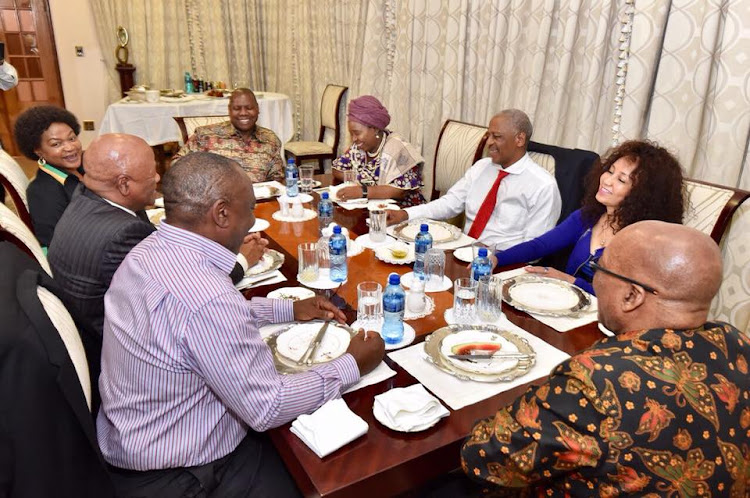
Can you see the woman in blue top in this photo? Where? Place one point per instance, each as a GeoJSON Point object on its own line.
{"type": "Point", "coordinates": [637, 180]}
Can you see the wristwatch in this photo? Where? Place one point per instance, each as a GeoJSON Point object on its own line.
{"type": "Point", "coordinates": [364, 190]}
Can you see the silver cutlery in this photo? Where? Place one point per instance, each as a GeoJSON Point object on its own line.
{"type": "Point", "coordinates": [313, 347]}
{"type": "Point", "coordinates": [266, 279]}
{"type": "Point", "coordinates": [496, 356]}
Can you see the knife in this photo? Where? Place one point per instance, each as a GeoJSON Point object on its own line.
{"type": "Point", "coordinates": [498, 356]}
{"type": "Point", "coordinates": [313, 347]}
{"type": "Point", "coordinates": [253, 284]}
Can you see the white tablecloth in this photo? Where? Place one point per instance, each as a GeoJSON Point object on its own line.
{"type": "Point", "coordinates": [154, 123]}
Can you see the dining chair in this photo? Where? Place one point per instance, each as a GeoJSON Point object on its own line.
{"type": "Point", "coordinates": [327, 144]}
{"type": "Point", "coordinates": [188, 124]}
{"type": "Point", "coordinates": [15, 231]}
{"type": "Point", "coordinates": [15, 182]}
{"type": "Point", "coordinates": [710, 207]}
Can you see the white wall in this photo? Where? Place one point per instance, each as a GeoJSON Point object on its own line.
{"type": "Point", "coordinates": [84, 79]}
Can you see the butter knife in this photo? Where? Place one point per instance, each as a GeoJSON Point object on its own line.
{"type": "Point", "coordinates": [313, 347]}
{"type": "Point", "coordinates": [498, 356]}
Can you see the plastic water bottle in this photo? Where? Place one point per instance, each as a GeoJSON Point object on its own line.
{"type": "Point", "coordinates": [337, 255]}
{"type": "Point", "coordinates": [188, 83]}
{"type": "Point", "coordinates": [481, 265]}
{"type": "Point", "coordinates": [422, 244]}
{"type": "Point", "coordinates": [292, 178]}
{"type": "Point", "coordinates": [394, 301]}
{"type": "Point", "coordinates": [325, 211]}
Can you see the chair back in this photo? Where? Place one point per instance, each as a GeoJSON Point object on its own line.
{"type": "Point", "coordinates": [188, 124]}
{"type": "Point", "coordinates": [330, 115]}
{"type": "Point", "coordinates": [709, 207]}
{"type": "Point", "coordinates": [732, 303]}
{"type": "Point", "coordinates": [459, 146]}
{"type": "Point", "coordinates": [14, 230]}
{"type": "Point", "coordinates": [15, 182]}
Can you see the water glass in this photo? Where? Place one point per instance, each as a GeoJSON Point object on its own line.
{"type": "Point", "coordinates": [415, 298]}
{"type": "Point", "coordinates": [350, 177]}
{"type": "Point", "coordinates": [370, 305]}
{"type": "Point", "coordinates": [434, 268]}
{"type": "Point", "coordinates": [308, 262]}
{"type": "Point", "coordinates": [377, 225]}
{"type": "Point", "coordinates": [305, 178]}
{"type": "Point", "coordinates": [490, 298]}
{"type": "Point", "coordinates": [464, 300]}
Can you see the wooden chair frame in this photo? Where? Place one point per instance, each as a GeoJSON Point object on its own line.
{"type": "Point", "coordinates": [477, 154]}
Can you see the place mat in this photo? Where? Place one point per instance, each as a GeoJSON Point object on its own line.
{"type": "Point", "coordinates": [458, 393]}
{"type": "Point", "coordinates": [561, 323]}
{"type": "Point", "coordinates": [250, 282]}
{"type": "Point", "coordinates": [379, 374]}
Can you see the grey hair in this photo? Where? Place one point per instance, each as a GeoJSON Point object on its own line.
{"type": "Point", "coordinates": [520, 121]}
{"type": "Point", "coordinates": [195, 182]}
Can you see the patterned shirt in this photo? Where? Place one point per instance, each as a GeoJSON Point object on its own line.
{"type": "Point", "coordinates": [259, 155]}
{"type": "Point", "coordinates": [647, 413]}
{"type": "Point", "coordinates": [184, 370]}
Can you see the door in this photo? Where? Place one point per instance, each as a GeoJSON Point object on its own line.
{"type": "Point", "coordinates": [26, 29]}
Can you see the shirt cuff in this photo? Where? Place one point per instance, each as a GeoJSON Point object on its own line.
{"type": "Point", "coordinates": [347, 369]}
{"type": "Point", "coordinates": [242, 260]}
{"type": "Point", "coordinates": [272, 310]}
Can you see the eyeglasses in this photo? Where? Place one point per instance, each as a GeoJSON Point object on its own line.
{"type": "Point", "coordinates": [597, 267]}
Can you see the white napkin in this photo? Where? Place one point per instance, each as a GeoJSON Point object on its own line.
{"type": "Point", "coordinates": [562, 323]}
{"type": "Point", "coordinates": [249, 282]}
{"type": "Point", "coordinates": [329, 428]}
{"type": "Point", "coordinates": [379, 374]}
{"type": "Point", "coordinates": [410, 408]}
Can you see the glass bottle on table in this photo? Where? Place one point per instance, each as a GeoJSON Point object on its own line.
{"type": "Point", "coordinates": [188, 83]}
{"type": "Point", "coordinates": [394, 303]}
{"type": "Point", "coordinates": [481, 266]}
{"type": "Point", "coordinates": [292, 178]}
{"type": "Point", "coordinates": [337, 255]}
{"type": "Point", "coordinates": [325, 211]}
{"type": "Point", "coordinates": [422, 244]}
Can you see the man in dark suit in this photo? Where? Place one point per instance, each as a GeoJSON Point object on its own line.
{"type": "Point", "coordinates": [106, 219]}
{"type": "Point", "coordinates": [47, 435]}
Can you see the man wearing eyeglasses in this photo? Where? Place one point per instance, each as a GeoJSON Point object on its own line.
{"type": "Point", "coordinates": [660, 408]}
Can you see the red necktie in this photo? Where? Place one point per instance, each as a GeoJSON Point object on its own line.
{"type": "Point", "coordinates": [485, 211]}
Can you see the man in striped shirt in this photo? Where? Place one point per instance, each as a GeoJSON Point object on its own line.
{"type": "Point", "coordinates": [187, 384]}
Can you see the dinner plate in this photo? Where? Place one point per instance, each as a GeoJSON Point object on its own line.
{"type": "Point", "coordinates": [271, 261]}
{"type": "Point", "coordinates": [380, 416]}
{"type": "Point", "coordinates": [260, 225]}
{"type": "Point", "coordinates": [383, 253]}
{"type": "Point", "coordinates": [544, 295]}
{"type": "Point", "coordinates": [267, 190]}
{"type": "Point", "coordinates": [365, 241]}
{"type": "Point", "coordinates": [441, 232]}
{"type": "Point", "coordinates": [290, 343]}
{"type": "Point", "coordinates": [465, 254]}
{"type": "Point", "coordinates": [291, 293]}
{"type": "Point", "coordinates": [323, 282]}
{"type": "Point", "coordinates": [499, 370]}
{"type": "Point", "coordinates": [382, 204]}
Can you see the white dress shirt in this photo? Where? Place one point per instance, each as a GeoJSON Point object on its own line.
{"type": "Point", "coordinates": [8, 76]}
{"type": "Point", "coordinates": [528, 202]}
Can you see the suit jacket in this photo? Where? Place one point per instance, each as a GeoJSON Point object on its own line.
{"type": "Point", "coordinates": [48, 441]}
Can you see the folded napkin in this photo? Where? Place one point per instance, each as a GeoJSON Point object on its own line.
{"type": "Point", "coordinates": [410, 408]}
{"type": "Point", "coordinates": [250, 282]}
{"type": "Point", "coordinates": [329, 428]}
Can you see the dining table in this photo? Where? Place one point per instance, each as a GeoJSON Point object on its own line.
{"type": "Point", "coordinates": [384, 462]}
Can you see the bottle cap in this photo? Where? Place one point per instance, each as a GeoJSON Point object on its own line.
{"type": "Point", "coordinates": [394, 279]}
{"type": "Point", "coordinates": [336, 229]}
{"type": "Point", "coordinates": [424, 227]}
{"type": "Point", "coordinates": [324, 195]}
{"type": "Point", "coordinates": [290, 161]}
{"type": "Point", "coordinates": [482, 252]}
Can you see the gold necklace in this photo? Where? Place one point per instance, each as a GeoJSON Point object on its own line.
{"type": "Point", "coordinates": [606, 223]}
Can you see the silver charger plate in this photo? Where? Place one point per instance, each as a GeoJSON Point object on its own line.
{"type": "Point", "coordinates": [545, 296]}
{"type": "Point", "coordinates": [271, 261]}
{"type": "Point", "coordinates": [515, 368]}
{"type": "Point", "coordinates": [408, 230]}
{"type": "Point", "coordinates": [288, 366]}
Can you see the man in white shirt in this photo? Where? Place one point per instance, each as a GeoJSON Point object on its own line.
{"type": "Point", "coordinates": [8, 74]}
{"type": "Point", "coordinates": [507, 198]}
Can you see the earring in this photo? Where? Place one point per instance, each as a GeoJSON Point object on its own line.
{"type": "Point", "coordinates": [41, 161]}
{"type": "Point", "coordinates": [377, 135]}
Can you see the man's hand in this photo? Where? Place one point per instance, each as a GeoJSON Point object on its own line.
{"type": "Point", "coordinates": [253, 247]}
{"type": "Point", "coordinates": [368, 349]}
{"type": "Point", "coordinates": [546, 271]}
{"type": "Point", "coordinates": [317, 307]}
{"type": "Point", "coordinates": [349, 193]}
{"type": "Point", "coordinates": [393, 217]}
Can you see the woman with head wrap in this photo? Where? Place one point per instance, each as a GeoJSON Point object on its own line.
{"type": "Point", "coordinates": [385, 165]}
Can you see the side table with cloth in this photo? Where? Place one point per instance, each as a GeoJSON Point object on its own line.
{"type": "Point", "coordinates": [153, 121]}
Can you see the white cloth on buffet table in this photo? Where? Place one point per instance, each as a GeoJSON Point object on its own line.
{"type": "Point", "coordinates": [153, 121]}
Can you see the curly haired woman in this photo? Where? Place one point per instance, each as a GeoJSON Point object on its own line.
{"type": "Point", "coordinates": [638, 180]}
{"type": "Point", "coordinates": [49, 135]}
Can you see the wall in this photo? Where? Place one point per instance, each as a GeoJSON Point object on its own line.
{"type": "Point", "coordinates": [84, 79]}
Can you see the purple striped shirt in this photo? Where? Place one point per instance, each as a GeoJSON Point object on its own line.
{"type": "Point", "coordinates": [184, 369]}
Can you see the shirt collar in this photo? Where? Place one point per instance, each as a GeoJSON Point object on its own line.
{"type": "Point", "coordinates": [129, 211]}
{"type": "Point", "coordinates": [235, 133]}
{"type": "Point", "coordinates": [217, 254]}
{"type": "Point", "coordinates": [517, 167]}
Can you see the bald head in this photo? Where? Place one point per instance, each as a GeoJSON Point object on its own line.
{"type": "Point", "coordinates": [681, 263]}
{"type": "Point", "coordinates": [122, 169]}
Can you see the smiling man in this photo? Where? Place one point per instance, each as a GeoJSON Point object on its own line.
{"type": "Point", "coordinates": [507, 198]}
{"type": "Point", "coordinates": [256, 149]}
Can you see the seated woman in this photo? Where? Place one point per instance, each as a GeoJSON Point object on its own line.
{"type": "Point", "coordinates": [386, 166]}
{"type": "Point", "coordinates": [49, 135]}
{"type": "Point", "coordinates": [636, 181]}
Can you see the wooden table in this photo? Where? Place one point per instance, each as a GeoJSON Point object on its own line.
{"type": "Point", "coordinates": [385, 462]}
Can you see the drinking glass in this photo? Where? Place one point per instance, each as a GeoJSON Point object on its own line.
{"type": "Point", "coordinates": [308, 262]}
{"type": "Point", "coordinates": [464, 300]}
{"type": "Point", "coordinates": [350, 177]}
{"type": "Point", "coordinates": [415, 298]}
{"type": "Point", "coordinates": [369, 305]}
{"type": "Point", "coordinates": [434, 268]}
{"type": "Point", "coordinates": [377, 225]}
{"type": "Point", "coordinates": [305, 178]}
{"type": "Point", "coordinates": [490, 298]}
